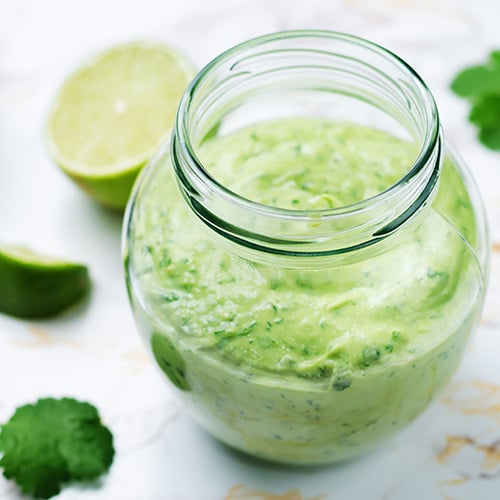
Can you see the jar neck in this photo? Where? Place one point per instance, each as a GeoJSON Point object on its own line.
{"type": "Point", "coordinates": [291, 74]}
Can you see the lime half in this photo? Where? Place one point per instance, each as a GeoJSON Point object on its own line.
{"type": "Point", "coordinates": [112, 114]}
{"type": "Point", "coordinates": [36, 286]}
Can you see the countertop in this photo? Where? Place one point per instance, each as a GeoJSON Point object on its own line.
{"type": "Point", "coordinates": [93, 352]}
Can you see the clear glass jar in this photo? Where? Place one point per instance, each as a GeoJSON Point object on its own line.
{"type": "Point", "coordinates": [306, 335]}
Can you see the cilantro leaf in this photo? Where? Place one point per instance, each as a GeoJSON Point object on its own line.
{"type": "Point", "coordinates": [477, 80]}
{"type": "Point", "coordinates": [481, 86]}
{"type": "Point", "coordinates": [490, 137]}
{"type": "Point", "coordinates": [485, 111]}
{"type": "Point", "coordinates": [495, 57]}
{"type": "Point", "coordinates": [54, 441]}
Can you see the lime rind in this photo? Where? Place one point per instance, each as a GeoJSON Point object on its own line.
{"type": "Point", "coordinates": [38, 286]}
{"type": "Point", "coordinates": [18, 254]}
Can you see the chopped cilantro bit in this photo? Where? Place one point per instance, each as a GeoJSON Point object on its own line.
{"type": "Point", "coordinates": [397, 336]}
{"type": "Point", "coordinates": [370, 354]}
{"type": "Point", "coordinates": [342, 381]}
{"type": "Point", "coordinates": [431, 273]}
{"type": "Point", "coordinates": [53, 441]}
{"type": "Point", "coordinates": [248, 328]}
{"type": "Point", "coordinates": [170, 297]}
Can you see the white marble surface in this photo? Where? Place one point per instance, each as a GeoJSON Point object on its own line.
{"type": "Point", "coordinates": [93, 352]}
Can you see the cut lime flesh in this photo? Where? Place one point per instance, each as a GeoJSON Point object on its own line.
{"type": "Point", "coordinates": [113, 113]}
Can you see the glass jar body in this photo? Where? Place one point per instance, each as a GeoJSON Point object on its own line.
{"type": "Point", "coordinates": [409, 309]}
{"type": "Point", "coordinates": [306, 337]}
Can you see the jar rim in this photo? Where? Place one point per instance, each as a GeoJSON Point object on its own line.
{"type": "Point", "coordinates": [426, 151]}
{"type": "Point", "coordinates": [342, 229]}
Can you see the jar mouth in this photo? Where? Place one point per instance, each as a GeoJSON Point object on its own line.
{"type": "Point", "coordinates": [417, 183]}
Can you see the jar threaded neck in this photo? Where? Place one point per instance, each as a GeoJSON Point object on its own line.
{"type": "Point", "coordinates": [307, 62]}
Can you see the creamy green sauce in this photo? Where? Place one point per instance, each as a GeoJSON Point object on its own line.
{"type": "Point", "coordinates": [298, 365]}
{"type": "Point", "coordinates": [307, 163]}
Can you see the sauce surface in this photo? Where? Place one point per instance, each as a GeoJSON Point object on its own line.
{"type": "Point", "coordinates": [307, 366]}
{"type": "Point", "coordinates": [306, 163]}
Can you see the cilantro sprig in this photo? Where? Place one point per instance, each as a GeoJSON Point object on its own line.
{"type": "Point", "coordinates": [480, 85]}
{"type": "Point", "coordinates": [52, 442]}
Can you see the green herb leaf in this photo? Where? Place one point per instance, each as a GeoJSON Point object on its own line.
{"type": "Point", "coordinates": [485, 111]}
{"type": "Point", "coordinates": [52, 442]}
{"type": "Point", "coordinates": [490, 137]}
{"type": "Point", "coordinates": [480, 84]}
{"type": "Point", "coordinates": [477, 80]}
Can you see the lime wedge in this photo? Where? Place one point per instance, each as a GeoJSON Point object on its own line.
{"type": "Point", "coordinates": [37, 286]}
{"type": "Point", "coordinates": [112, 114]}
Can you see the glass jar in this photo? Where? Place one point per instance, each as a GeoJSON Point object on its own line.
{"type": "Point", "coordinates": [299, 327]}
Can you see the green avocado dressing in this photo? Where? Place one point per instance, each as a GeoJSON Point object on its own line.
{"type": "Point", "coordinates": [307, 163]}
{"type": "Point", "coordinates": [307, 366]}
